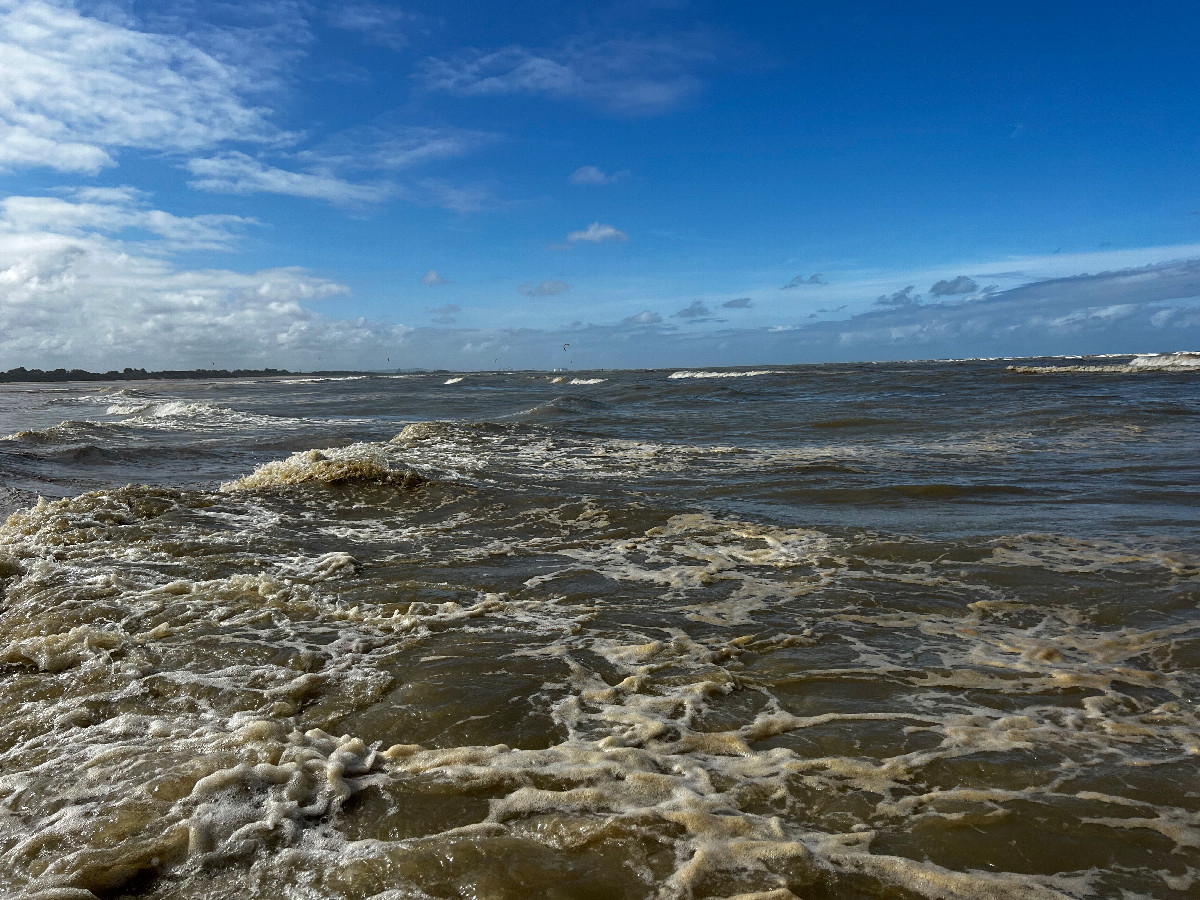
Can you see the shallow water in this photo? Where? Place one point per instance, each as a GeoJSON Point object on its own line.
{"type": "Point", "coordinates": [911, 630]}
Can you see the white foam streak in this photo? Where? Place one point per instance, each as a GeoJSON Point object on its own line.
{"type": "Point", "coordinates": [723, 374]}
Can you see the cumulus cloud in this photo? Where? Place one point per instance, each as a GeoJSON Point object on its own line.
{"type": "Point", "coordinates": [77, 90]}
{"type": "Point", "coordinates": [958, 285]}
{"type": "Point", "coordinates": [594, 175]}
{"type": "Point", "coordinates": [73, 293]}
{"type": "Point", "coordinates": [630, 76]}
{"type": "Point", "coordinates": [739, 303]}
{"type": "Point", "coordinates": [597, 234]}
{"type": "Point", "coordinates": [901, 298]}
{"type": "Point", "coordinates": [433, 279]}
{"type": "Point", "coordinates": [800, 280]}
{"type": "Point", "coordinates": [543, 288]}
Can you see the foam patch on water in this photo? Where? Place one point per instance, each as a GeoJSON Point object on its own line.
{"type": "Point", "coordinates": [478, 695]}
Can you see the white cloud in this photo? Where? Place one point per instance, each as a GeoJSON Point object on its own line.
{"type": "Point", "coordinates": [635, 76]}
{"type": "Point", "coordinates": [433, 279]}
{"type": "Point", "coordinates": [237, 173]}
{"type": "Point", "coordinates": [331, 169]}
{"type": "Point", "coordinates": [73, 294]}
{"type": "Point", "coordinates": [114, 211]}
{"type": "Point", "coordinates": [596, 234]}
{"type": "Point", "coordinates": [77, 90]}
{"type": "Point", "coordinates": [594, 175]}
{"type": "Point", "coordinates": [543, 289]}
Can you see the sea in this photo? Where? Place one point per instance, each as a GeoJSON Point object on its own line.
{"type": "Point", "coordinates": [897, 630]}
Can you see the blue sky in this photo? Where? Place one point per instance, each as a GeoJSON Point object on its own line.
{"type": "Point", "coordinates": [465, 185]}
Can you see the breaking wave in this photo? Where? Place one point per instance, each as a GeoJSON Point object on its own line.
{"type": "Point", "coordinates": [722, 374]}
{"type": "Point", "coordinates": [1183, 361]}
{"type": "Point", "coordinates": [356, 463]}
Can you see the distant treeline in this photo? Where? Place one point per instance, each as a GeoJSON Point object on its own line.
{"type": "Point", "coordinates": [22, 374]}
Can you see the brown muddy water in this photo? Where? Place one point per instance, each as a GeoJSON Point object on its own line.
{"type": "Point", "coordinates": [893, 631]}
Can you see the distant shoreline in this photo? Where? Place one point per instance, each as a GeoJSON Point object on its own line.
{"type": "Point", "coordinates": [1184, 360]}
{"type": "Point", "coordinates": [38, 376]}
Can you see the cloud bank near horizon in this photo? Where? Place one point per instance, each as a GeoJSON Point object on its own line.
{"type": "Point", "coordinates": [89, 280]}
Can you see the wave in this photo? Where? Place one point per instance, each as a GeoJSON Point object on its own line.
{"type": "Point", "coordinates": [186, 414]}
{"type": "Point", "coordinates": [565, 407]}
{"type": "Point", "coordinates": [356, 463]}
{"type": "Point", "coordinates": [687, 373]}
{"type": "Point", "coordinates": [69, 431]}
{"type": "Point", "coordinates": [1182, 361]}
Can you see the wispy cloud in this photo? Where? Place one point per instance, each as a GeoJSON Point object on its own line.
{"type": "Point", "coordinates": [459, 198]}
{"type": "Point", "coordinates": [388, 146]}
{"type": "Point", "coordinates": [594, 175]}
{"type": "Point", "coordinates": [445, 315]}
{"type": "Point", "coordinates": [433, 279]}
{"type": "Point", "coordinates": [645, 317]}
{"type": "Point", "coordinates": [237, 173]}
{"type": "Point", "coordinates": [378, 23]}
{"type": "Point", "coordinates": [597, 234]}
{"type": "Point", "coordinates": [543, 288]}
{"type": "Point", "coordinates": [739, 303]}
{"type": "Point", "coordinates": [631, 76]}
{"type": "Point", "coordinates": [77, 90]}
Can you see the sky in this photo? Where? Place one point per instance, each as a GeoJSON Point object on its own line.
{"type": "Point", "coordinates": [634, 183]}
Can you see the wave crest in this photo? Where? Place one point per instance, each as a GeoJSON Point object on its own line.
{"type": "Point", "coordinates": [358, 462]}
{"type": "Point", "coordinates": [687, 373]}
{"type": "Point", "coordinates": [1181, 361]}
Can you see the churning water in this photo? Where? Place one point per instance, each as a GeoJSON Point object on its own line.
{"type": "Point", "coordinates": [904, 631]}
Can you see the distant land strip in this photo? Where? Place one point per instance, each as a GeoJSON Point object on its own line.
{"type": "Point", "coordinates": [127, 374]}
